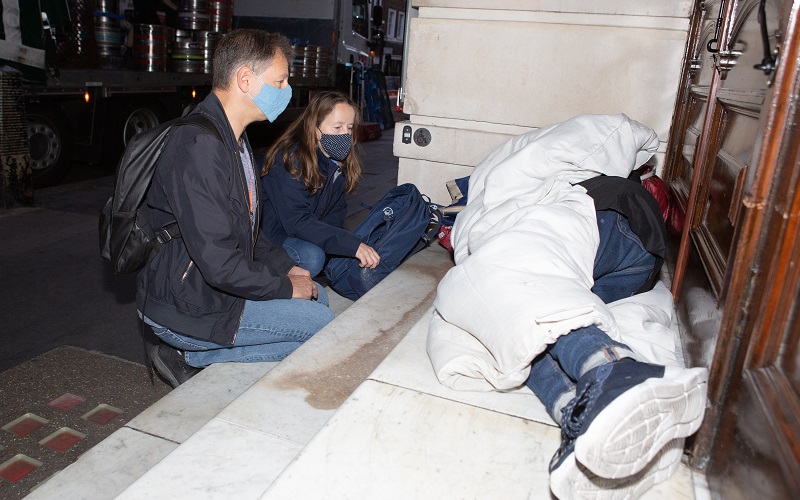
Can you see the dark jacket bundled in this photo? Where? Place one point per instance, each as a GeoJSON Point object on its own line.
{"type": "Point", "coordinates": [629, 198]}
{"type": "Point", "coordinates": [293, 210]}
{"type": "Point", "coordinates": [197, 284]}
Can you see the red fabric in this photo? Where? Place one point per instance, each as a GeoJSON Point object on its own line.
{"type": "Point", "coordinates": [673, 215]}
{"type": "Point", "coordinates": [444, 237]}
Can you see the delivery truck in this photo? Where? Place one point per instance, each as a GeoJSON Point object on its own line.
{"type": "Point", "coordinates": [92, 77]}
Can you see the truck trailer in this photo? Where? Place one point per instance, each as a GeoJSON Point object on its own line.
{"type": "Point", "coordinates": [85, 94]}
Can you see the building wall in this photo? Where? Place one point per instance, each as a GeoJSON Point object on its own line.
{"type": "Point", "coordinates": [482, 71]}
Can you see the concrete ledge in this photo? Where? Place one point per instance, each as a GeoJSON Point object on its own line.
{"type": "Point", "coordinates": [248, 443]}
{"type": "Point", "coordinates": [402, 434]}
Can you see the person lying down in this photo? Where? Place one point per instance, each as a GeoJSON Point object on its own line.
{"type": "Point", "coordinates": [555, 286]}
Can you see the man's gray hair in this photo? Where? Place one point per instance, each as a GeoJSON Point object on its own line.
{"type": "Point", "coordinates": [247, 47]}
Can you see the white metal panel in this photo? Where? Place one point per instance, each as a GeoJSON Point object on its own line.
{"type": "Point", "coordinates": [657, 8]}
{"type": "Point", "coordinates": [462, 146]}
{"type": "Point", "coordinates": [534, 74]}
{"type": "Point", "coordinates": [431, 177]}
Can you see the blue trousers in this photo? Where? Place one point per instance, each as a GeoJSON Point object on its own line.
{"type": "Point", "coordinates": [307, 255]}
{"type": "Point", "coordinates": [621, 266]}
{"type": "Point", "coordinates": [269, 330]}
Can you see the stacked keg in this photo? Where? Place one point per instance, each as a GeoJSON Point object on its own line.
{"type": "Point", "coordinates": [310, 62]}
{"type": "Point", "coordinates": [150, 47]}
{"type": "Point", "coordinates": [296, 64]}
{"type": "Point", "coordinates": [220, 15]}
{"type": "Point", "coordinates": [187, 52]}
{"type": "Point", "coordinates": [190, 47]}
{"type": "Point", "coordinates": [210, 40]}
{"type": "Point", "coordinates": [193, 51]}
{"type": "Point", "coordinates": [200, 24]}
{"type": "Point", "coordinates": [193, 15]}
{"type": "Point", "coordinates": [107, 33]}
{"type": "Point", "coordinates": [321, 66]}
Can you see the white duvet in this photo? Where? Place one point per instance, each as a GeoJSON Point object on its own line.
{"type": "Point", "coordinates": [524, 251]}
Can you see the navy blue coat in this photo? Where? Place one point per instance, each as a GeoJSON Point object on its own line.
{"type": "Point", "coordinates": [290, 209]}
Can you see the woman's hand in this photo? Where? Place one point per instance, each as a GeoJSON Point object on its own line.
{"type": "Point", "coordinates": [367, 256]}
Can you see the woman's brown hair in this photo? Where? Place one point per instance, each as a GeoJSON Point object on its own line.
{"type": "Point", "coordinates": [299, 144]}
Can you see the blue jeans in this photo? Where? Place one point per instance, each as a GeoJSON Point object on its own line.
{"type": "Point", "coordinates": [307, 255]}
{"type": "Point", "coordinates": [270, 330]}
{"type": "Point", "coordinates": [621, 266]}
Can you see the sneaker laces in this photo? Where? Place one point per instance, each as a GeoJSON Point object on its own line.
{"type": "Point", "coordinates": [572, 420]}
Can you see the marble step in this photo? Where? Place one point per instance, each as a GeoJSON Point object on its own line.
{"type": "Point", "coordinates": [402, 434]}
{"type": "Point", "coordinates": [242, 424]}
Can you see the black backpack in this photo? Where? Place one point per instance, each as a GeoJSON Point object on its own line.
{"type": "Point", "coordinates": [126, 238]}
{"type": "Point", "coordinates": [401, 224]}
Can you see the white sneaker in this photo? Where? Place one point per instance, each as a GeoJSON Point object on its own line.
{"type": "Point", "coordinates": [571, 480]}
{"type": "Point", "coordinates": [625, 412]}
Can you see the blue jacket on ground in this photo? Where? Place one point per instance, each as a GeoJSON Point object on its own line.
{"type": "Point", "coordinates": [290, 209]}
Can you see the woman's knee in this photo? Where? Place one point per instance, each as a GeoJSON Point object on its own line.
{"type": "Point", "coordinates": [315, 259]}
{"type": "Point", "coordinates": [306, 254]}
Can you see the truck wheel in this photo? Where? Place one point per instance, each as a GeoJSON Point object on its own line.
{"type": "Point", "coordinates": [50, 145]}
{"type": "Point", "coordinates": [132, 118]}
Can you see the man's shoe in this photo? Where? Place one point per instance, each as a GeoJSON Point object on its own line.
{"type": "Point", "coordinates": [625, 412]}
{"type": "Point", "coordinates": [171, 365]}
{"type": "Point", "coordinates": [571, 480]}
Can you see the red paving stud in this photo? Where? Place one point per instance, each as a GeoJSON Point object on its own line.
{"type": "Point", "coordinates": [25, 424]}
{"type": "Point", "coordinates": [102, 414]}
{"type": "Point", "coordinates": [63, 439]}
{"type": "Point", "coordinates": [66, 402]}
{"type": "Point", "coordinates": [17, 467]}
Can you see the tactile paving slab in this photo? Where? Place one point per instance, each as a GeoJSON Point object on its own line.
{"type": "Point", "coordinates": [58, 405]}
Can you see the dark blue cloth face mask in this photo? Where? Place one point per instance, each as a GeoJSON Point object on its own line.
{"type": "Point", "coordinates": [337, 146]}
{"type": "Point", "coordinates": [271, 100]}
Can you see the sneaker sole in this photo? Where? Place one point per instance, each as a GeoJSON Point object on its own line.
{"type": "Point", "coordinates": [574, 481]}
{"type": "Point", "coordinates": [633, 428]}
{"type": "Point", "coordinates": [162, 369]}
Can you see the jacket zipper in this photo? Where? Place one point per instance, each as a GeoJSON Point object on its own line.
{"type": "Point", "coordinates": [186, 272]}
{"type": "Point", "coordinates": [245, 192]}
{"type": "Point", "coordinates": [323, 207]}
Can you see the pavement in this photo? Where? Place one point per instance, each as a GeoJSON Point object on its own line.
{"type": "Point", "coordinates": [70, 331]}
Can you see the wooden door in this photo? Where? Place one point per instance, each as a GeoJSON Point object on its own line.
{"type": "Point", "coordinates": [743, 216]}
{"type": "Point", "coordinates": [699, 75]}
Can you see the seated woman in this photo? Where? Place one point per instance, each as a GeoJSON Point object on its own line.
{"type": "Point", "coordinates": [305, 177]}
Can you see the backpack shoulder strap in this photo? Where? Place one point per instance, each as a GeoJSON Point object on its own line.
{"type": "Point", "coordinates": [435, 224]}
{"type": "Point", "coordinates": [171, 230]}
{"type": "Point", "coordinates": [202, 121]}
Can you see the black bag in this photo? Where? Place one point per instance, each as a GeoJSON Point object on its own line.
{"type": "Point", "coordinates": [126, 238]}
{"type": "Point", "coordinates": [401, 224]}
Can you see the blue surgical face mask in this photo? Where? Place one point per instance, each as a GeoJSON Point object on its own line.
{"type": "Point", "coordinates": [337, 146]}
{"type": "Point", "coordinates": [272, 100]}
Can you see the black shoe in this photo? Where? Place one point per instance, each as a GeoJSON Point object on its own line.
{"type": "Point", "coordinates": [171, 365]}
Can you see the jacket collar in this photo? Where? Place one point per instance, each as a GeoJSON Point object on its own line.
{"type": "Point", "coordinates": [327, 165]}
{"type": "Point", "coordinates": [212, 107]}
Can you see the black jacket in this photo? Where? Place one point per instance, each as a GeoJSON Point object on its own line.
{"type": "Point", "coordinates": [197, 284]}
{"type": "Point", "coordinates": [290, 209]}
{"type": "Point", "coordinates": [629, 198]}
